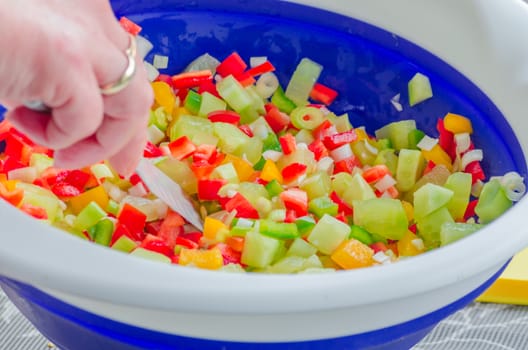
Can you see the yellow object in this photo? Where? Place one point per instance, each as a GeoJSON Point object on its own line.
{"type": "Point", "coordinates": [353, 254]}
{"type": "Point", "coordinates": [438, 156]}
{"type": "Point", "coordinates": [96, 194]}
{"type": "Point", "coordinates": [270, 171]}
{"type": "Point", "coordinates": [164, 96]}
{"type": "Point", "coordinates": [406, 247]}
{"type": "Point", "coordinates": [457, 124]}
{"type": "Point", "coordinates": [243, 168]}
{"type": "Point", "coordinates": [10, 184]}
{"type": "Point", "coordinates": [512, 286]}
{"type": "Point", "coordinates": [409, 210]}
{"type": "Point", "coordinates": [206, 259]}
{"type": "Point", "coordinates": [361, 134]}
{"type": "Point", "coordinates": [212, 228]}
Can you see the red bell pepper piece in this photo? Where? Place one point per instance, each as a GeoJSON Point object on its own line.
{"type": "Point", "coordinates": [121, 231]}
{"type": "Point", "coordinates": [182, 147]}
{"type": "Point", "coordinates": [194, 236]}
{"type": "Point", "coordinates": [277, 120]}
{"type": "Point", "coordinates": [230, 255]}
{"type": "Point", "coordinates": [322, 93]}
{"type": "Point", "coordinates": [167, 79]}
{"type": "Point", "coordinates": [11, 163]}
{"type": "Point", "coordinates": [202, 169]}
{"type": "Point", "coordinates": [428, 167]}
{"type": "Point", "coordinates": [232, 65]}
{"type": "Point", "coordinates": [153, 227]}
{"type": "Point", "coordinates": [230, 117]}
{"type": "Point", "coordinates": [288, 143]}
{"type": "Point", "coordinates": [77, 178]}
{"type": "Point", "coordinates": [208, 86]}
{"type": "Point", "coordinates": [243, 207]}
{"type": "Point", "coordinates": [375, 173]}
{"type": "Point", "coordinates": [336, 140]}
{"type": "Point", "coordinates": [291, 216]}
{"type": "Point", "coordinates": [245, 79]}
{"type": "Point", "coordinates": [65, 190]}
{"type": "Point", "coordinates": [186, 243]}
{"type": "Point", "coordinates": [191, 79]}
{"type": "Point", "coordinates": [133, 219]}
{"type": "Point", "coordinates": [470, 209]}
{"type": "Point", "coordinates": [293, 171]}
{"type": "Point", "coordinates": [171, 228]}
{"type": "Point", "coordinates": [37, 212]}
{"type": "Point", "coordinates": [347, 165]}
{"type": "Point", "coordinates": [342, 217]}
{"type": "Point", "coordinates": [17, 148]}
{"type": "Point", "coordinates": [476, 171]}
{"type": "Point", "coordinates": [322, 130]}
{"type": "Point", "coordinates": [295, 199]}
{"type": "Point", "coordinates": [446, 139]}
{"type": "Point", "coordinates": [318, 149]}
{"type": "Point", "coordinates": [151, 150]}
{"type": "Point", "coordinates": [343, 207]}
{"type": "Point", "coordinates": [246, 130]}
{"type": "Point", "coordinates": [235, 242]}
{"type": "Point", "coordinates": [262, 68]}
{"type": "Point", "coordinates": [157, 245]}
{"type": "Point", "coordinates": [5, 129]}
{"type": "Point", "coordinates": [13, 197]}
{"type": "Point", "coordinates": [206, 153]}
{"type": "Point", "coordinates": [208, 189]}
{"type": "Point", "coordinates": [129, 26]}
{"type": "Point", "coordinates": [413, 228]}
{"type": "Point", "coordinates": [378, 247]}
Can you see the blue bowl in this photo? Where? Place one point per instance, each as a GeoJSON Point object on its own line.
{"type": "Point", "coordinates": [368, 65]}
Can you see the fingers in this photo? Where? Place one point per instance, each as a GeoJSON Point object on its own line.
{"type": "Point", "coordinates": [126, 160]}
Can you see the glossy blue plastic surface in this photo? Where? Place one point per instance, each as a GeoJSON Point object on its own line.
{"type": "Point", "coordinates": [367, 65]}
{"type": "Point", "coordinates": [71, 328]}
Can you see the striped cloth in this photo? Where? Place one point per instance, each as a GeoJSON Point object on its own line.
{"type": "Point", "coordinates": [476, 327]}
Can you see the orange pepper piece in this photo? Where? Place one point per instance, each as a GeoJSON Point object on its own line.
{"type": "Point", "coordinates": [206, 259]}
{"type": "Point", "coordinates": [353, 254]}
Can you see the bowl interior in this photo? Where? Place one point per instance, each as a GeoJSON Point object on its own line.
{"type": "Point", "coordinates": [366, 64]}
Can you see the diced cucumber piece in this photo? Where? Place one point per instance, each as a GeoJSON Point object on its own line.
{"type": "Point", "coordinates": [40, 162]}
{"type": "Point", "coordinates": [460, 184]}
{"type": "Point", "coordinates": [293, 264]}
{"type": "Point", "coordinates": [415, 136]}
{"type": "Point", "coordinates": [302, 81]}
{"type": "Point", "coordinates": [234, 94]}
{"type": "Point", "coordinates": [430, 225]}
{"type": "Point", "coordinates": [492, 202]}
{"type": "Point", "coordinates": [259, 250]}
{"type": "Point", "coordinates": [389, 158]}
{"type": "Point", "coordinates": [180, 172]}
{"type": "Point", "coordinates": [189, 125]}
{"type": "Point", "coordinates": [210, 103]}
{"type": "Point", "coordinates": [317, 184]}
{"type": "Point", "coordinates": [227, 172]}
{"type": "Point", "coordinates": [410, 167]}
{"type": "Point", "coordinates": [383, 216]}
{"type": "Point", "coordinates": [300, 247]}
{"type": "Point", "coordinates": [158, 118]}
{"type": "Point", "coordinates": [453, 231]}
{"type": "Point", "coordinates": [328, 234]}
{"type": "Point", "coordinates": [419, 89]}
{"type": "Point", "coordinates": [103, 231]}
{"type": "Point", "coordinates": [283, 103]}
{"type": "Point", "coordinates": [230, 137]}
{"type": "Point", "coordinates": [322, 206]}
{"type": "Point", "coordinates": [358, 189]}
{"type": "Point", "coordinates": [41, 197]}
{"type": "Point", "coordinates": [362, 235]}
{"type": "Point", "coordinates": [124, 244]}
{"type": "Point", "coordinates": [89, 216]}
{"type": "Point", "coordinates": [305, 224]}
{"type": "Point", "coordinates": [307, 118]}
{"type": "Point", "coordinates": [274, 188]}
{"type": "Point", "coordinates": [279, 230]}
{"type": "Point", "coordinates": [341, 182]}
{"type": "Point", "coordinates": [365, 151]}
{"type": "Point", "coordinates": [150, 255]}
{"type": "Point", "coordinates": [192, 101]}
{"type": "Point", "coordinates": [397, 133]}
{"type": "Point", "coordinates": [430, 198]}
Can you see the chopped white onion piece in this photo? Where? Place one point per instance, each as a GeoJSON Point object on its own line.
{"type": "Point", "coordinates": [302, 146]}
{"type": "Point", "coordinates": [386, 194]}
{"type": "Point", "coordinates": [471, 221]}
{"type": "Point", "coordinates": [164, 147]}
{"type": "Point", "coordinates": [257, 60]}
{"type": "Point", "coordinates": [370, 148]}
{"type": "Point", "coordinates": [143, 46]}
{"type": "Point", "coordinates": [62, 205]}
{"type": "Point", "coordinates": [152, 72]}
{"type": "Point", "coordinates": [397, 106]}
{"type": "Point", "coordinates": [513, 185]}
{"type": "Point", "coordinates": [228, 218]}
{"type": "Point", "coordinates": [476, 188]}
{"type": "Point", "coordinates": [70, 219]}
{"type": "Point", "coordinates": [326, 164]}
{"type": "Point", "coordinates": [114, 192]}
{"type": "Point", "coordinates": [160, 208]}
{"type": "Point", "coordinates": [462, 142]}
{"type": "Point", "coordinates": [203, 62]}
{"type": "Point", "coordinates": [138, 190]}
{"type": "Point", "coordinates": [272, 155]}
{"type": "Point", "coordinates": [341, 152]}
{"type": "Point", "coordinates": [259, 130]}
{"type": "Point", "coordinates": [385, 183]}
{"type": "Point", "coordinates": [380, 257]}
{"type": "Point", "coordinates": [101, 171]}
{"type": "Point", "coordinates": [266, 85]}
{"type": "Point", "coordinates": [241, 222]}
{"type": "Point", "coordinates": [456, 163]}
{"type": "Point", "coordinates": [160, 62]}
{"type": "Point", "coordinates": [427, 143]}
{"type": "Point", "coordinates": [154, 134]}
{"type": "Point", "coordinates": [475, 155]}
{"type": "Point", "coordinates": [418, 243]}
{"type": "Point", "coordinates": [325, 110]}
{"type": "Point", "coordinates": [26, 174]}
{"type": "Point", "coordinates": [396, 98]}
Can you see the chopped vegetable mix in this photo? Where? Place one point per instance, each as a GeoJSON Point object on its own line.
{"type": "Point", "coordinates": [283, 184]}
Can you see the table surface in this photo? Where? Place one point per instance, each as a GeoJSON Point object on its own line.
{"type": "Point", "coordinates": [479, 326]}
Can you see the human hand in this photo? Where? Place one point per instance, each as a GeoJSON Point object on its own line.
{"type": "Point", "coordinates": [61, 52]}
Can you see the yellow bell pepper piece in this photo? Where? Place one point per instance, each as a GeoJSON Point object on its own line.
{"type": "Point", "coordinates": [164, 96]}
{"type": "Point", "coordinates": [457, 124]}
{"type": "Point", "coordinates": [361, 134]}
{"type": "Point", "coordinates": [206, 259]}
{"type": "Point", "coordinates": [353, 254]}
{"type": "Point", "coordinates": [270, 172]}
{"type": "Point", "coordinates": [243, 168]}
{"type": "Point", "coordinates": [10, 184]}
{"type": "Point", "coordinates": [438, 156]}
{"type": "Point", "coordinates": [96, 194]}
{"type": "Point", "coordinates": [406, 246]}
{"type": "Point", "coordinates": [409, 210]}
{"type": "Point", "coordinates": [213, 228]}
